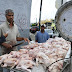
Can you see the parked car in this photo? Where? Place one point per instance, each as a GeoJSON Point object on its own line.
{"type": "Point", "coordinates": [34, 29]}
{"type": "Point", "coordinates": [50, 32]}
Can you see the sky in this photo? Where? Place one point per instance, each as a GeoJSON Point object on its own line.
{"type": "Point", "coordinates": [48, 10]}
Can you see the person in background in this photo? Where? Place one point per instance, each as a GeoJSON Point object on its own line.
{"type": "Point", "coordinates": [2, 38]}
{"type": "Point", "coordinates": [11, 29]}
{"type": "Point", "coordinates": [53, 30]}
{"type": "Point", "coordinates": [42, 36]}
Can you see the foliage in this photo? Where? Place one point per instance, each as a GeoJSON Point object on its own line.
{"type": "Point", "coordinates": [34, 24]}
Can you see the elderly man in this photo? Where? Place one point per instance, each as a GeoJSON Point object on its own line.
{"type": "Point", "coordinates": [10, 28]}
{"type": "Point", "coordinates": [41, 36]}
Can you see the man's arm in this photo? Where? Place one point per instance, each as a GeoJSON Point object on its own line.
{"type": "Point", "coordinates": [21, 38]}
{"type": "Point", "coordinates": [6, 45]}
{"type": "Point", "coordinates": [2, 38]}
{"type": "Point", "coordinates": [2, 41]}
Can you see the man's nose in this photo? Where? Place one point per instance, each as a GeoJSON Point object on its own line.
{"type": "Point", "coordinates": [11, 16]}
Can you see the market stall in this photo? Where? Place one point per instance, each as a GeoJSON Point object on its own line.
{"type": "Point", "coordinates": [51, 56]}
{"type": "Point", "coordinates": [38, 57]}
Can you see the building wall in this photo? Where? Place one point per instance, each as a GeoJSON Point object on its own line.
{"type": "Point", "coordinates": [22, 11]}
{"type": "Point", "coordinates": [58, 3]}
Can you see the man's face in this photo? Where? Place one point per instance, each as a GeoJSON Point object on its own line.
{"type": "Point", "coordinates": [10, 17]}
{"type": "Point", "coordinates": [42, 28]}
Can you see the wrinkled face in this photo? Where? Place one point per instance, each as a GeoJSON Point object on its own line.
{"type": "Point", "coordinates": [10, 17]}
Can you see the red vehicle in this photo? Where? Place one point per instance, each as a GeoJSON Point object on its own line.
{"type": "Point", "coordinates": [34, 29]}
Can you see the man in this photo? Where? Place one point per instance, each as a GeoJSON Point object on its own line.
{"type": "Point", "coordinates": [13, 34]}
{"type": "Point", "coordinates": [11, 29]}
{"type": "Point", "coordinates": [41, 36]}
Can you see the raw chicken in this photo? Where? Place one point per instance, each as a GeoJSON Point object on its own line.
{"type": "Point", "coordinates": [25, 64]}
{"type": "Point", "coordinates": [36, 54]}
{"type": "Point", "coordinates": [3, 57]}
{"type": "Point", "coordinates": [11, 62]}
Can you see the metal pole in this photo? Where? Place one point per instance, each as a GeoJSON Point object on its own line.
{"type": "Point", "coordinates": [36, 21]}
{"type": "Point", "coordinates": [40, 14]}
{"type": "Point", "coordinates": [71, 45]}
{"type": "Point", "coordinates": [61, 2]}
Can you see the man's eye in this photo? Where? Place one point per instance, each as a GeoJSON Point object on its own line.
{"type": "Point", "coordinates": [10, 15]}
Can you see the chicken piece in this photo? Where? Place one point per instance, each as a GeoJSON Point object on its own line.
{"type": "Point", "coordinates": [60, 64]}
{"type": "Point", "coordinates": [26, 63]}
{"type": "Point", "coordinates": [54, 68]}
{"type": "Point", "coordinates": [61, 53]}
{"type": "Point", "coordinates": [25, 51]}
{"type": "Point", "coordinates": [26, 57]}
{"type": "Point", "coordinates": [42, 59]}
{"type": "Point", "coordinates": [3, 57]}
{"type": "Point", "coordinates": [15, 54]}
{"type": "Point", "coordinates": [32, 54]}
{"type": "Point", "coordinates": [11, 62]}
{"type": "Point", "coordinates": [57, 66]}
{"type": "Point", "coordinates": [31, 46]}
{"type": "Point", "coordinates": [45, 45]}
{"type": "Point", "coordinates": [52, 60]}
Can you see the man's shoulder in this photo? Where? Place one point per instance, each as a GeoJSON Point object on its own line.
{"type": "Point", "coordinates": [15, 25]}
{"type": "Point", "coordinates": [46, 32]}
{"type": "Point", "coordinates": [3, 24]}
{"type": "Point", "coordinates": [38, 32]}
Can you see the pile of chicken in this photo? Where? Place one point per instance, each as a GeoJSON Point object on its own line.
{"type": "Point", "coordinates": [38, 53]}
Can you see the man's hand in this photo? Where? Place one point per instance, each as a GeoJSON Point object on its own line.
{"type": "Point", "coordinates": [5, 34]}
{"type": "Point", "coordinates": [7, 45]}
{"type": "Point", "coordinates": [26, 40]}
{"type": "Point", "coordinates": [22, 38]}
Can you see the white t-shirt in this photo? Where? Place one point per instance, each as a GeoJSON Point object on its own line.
{"type": "Point", "coordinates": [13, 33]}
